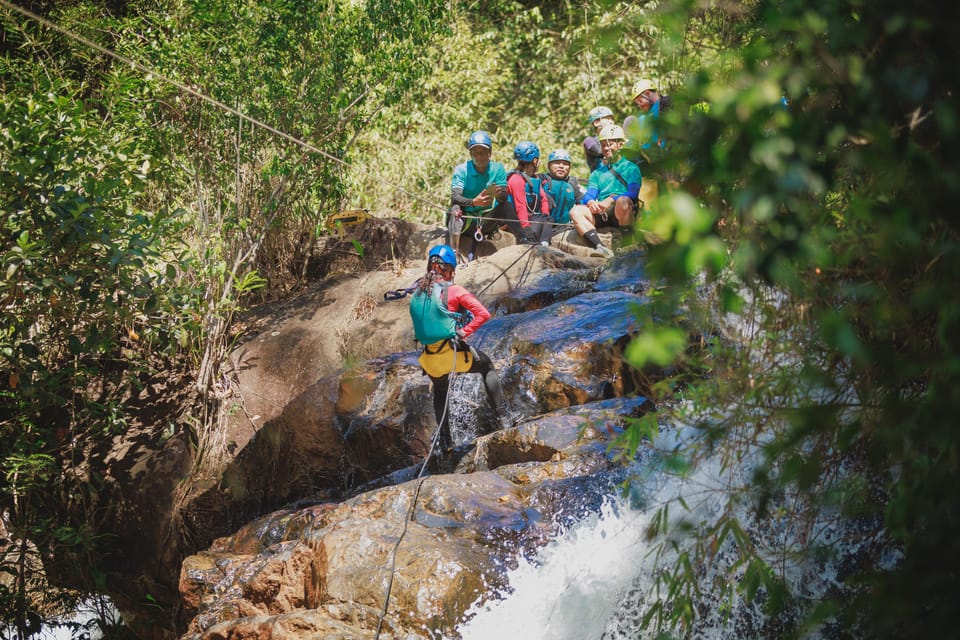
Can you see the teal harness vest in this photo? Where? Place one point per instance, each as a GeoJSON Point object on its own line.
{"type": "Point", "coordinates": [432, 321]}
{"type": "Point", "coordinates": [531, 191]}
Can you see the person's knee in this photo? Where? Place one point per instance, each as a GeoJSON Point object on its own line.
{"type": "Point", "coordinates": [624, 210]}
{"type": "Point", "coordinates": [582, 219]}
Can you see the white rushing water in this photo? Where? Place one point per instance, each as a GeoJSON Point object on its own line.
{"type": "Point", "coordinates": [82, 623]}
{"type": "Point", "coordinates": [571, 590]}
{"type": "Point", "coordinates": [595, 580]}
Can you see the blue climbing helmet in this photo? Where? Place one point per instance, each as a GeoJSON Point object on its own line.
{"type": "Point", "coordinates": [597, 113]}
{"type": "Point", "coordinates": [480, 138]}
{"type": "Point", "coordinates": [559, 154]}
{"type": "Point", "coordinates": [526, 151]}
{"type": "Point", "coordinates": [442, 254]}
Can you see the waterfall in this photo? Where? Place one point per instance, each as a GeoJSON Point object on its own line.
{"type": "Point", "coordinates": [594, 580]}
{"type": "Point", "coordinates": [83, 622]}
{"type": "Point", "coordinates": [573, 587]}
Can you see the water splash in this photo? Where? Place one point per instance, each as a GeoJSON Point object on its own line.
{"type": "Point", "coordinates": [594, 581]}
{"type": "Point", "coordinates": [573, 587]}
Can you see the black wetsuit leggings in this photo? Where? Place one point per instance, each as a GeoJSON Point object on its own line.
{"type": "Point", "coordinates": [441, 386]}
{"type": "Point", "coordinates": [539, 224]}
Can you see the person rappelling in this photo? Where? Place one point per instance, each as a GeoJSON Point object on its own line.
{"type": "Point", "coordinates": [444, 315]}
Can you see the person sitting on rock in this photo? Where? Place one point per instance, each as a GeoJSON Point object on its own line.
{"type": "Point", "coordinates": [611, 193]}
{"type": "Point", "coordinates": [477, 195]}
{"type": "Point", "coordinates": [527, 208]}
{"type": "Point", "coordinates": [599, 117]}
{"type": "Point", "coordinates": [563, 190]}
{"type": "Point", "coordinates": [444, 314]}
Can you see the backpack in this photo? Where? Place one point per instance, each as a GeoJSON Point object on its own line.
{"type": "Point", "coordinates": [435, 326]}
{"type": "Point", "coordinates": [432, 321]}
{"type": "Point", "coordinates": [547, 182]}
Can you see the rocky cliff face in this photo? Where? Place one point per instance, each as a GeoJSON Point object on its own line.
{"type": "Point", "coordinates": [435, 544]}
{"type": "Point", "coordinates": [327, 418]}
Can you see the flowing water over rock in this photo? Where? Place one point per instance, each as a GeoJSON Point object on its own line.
{"type": "Point", "coordinates": [596, 579]}
{"type": "Point", "coordinates": [321, 521]}
{"type": "Point", "coordinates": [436, 543]}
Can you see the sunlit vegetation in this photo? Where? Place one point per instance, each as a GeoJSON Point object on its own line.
{"type": "Point", "coordinates": [147, 197]}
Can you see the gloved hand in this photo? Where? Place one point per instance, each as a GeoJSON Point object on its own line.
{"type": "Point", "coordinates": [527, 235]}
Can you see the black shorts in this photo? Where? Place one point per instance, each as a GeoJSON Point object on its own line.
{"type": "Point", "coordinates": [606, 219]}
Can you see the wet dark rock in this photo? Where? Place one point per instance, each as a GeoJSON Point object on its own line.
{"type": "Point", "coordinates": [295, 519]}
{"type": "Point", "coordinates": [461, 531]}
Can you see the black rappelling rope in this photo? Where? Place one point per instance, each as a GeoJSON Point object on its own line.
{"type": "Point", "coordinates": [416, 493]}
{"type": "Point", "coordinates": [399, 294]}
{"type": "Point", "coordinates": [523, 274]}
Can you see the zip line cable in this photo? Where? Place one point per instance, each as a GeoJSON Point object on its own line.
{"type": "Point", "coordinates": [225, 107]}
{"type": "Point", "coordinates": [202, 96]}
{"type": "Point", "coordinates": [306, 145]}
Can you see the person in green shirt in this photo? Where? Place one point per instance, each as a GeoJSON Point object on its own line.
{"type": "Point", "coordinates": [478, 191]}
{"type": "Point", "coordinates": [610, 200]}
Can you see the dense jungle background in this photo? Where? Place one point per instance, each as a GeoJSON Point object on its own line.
{"type": "Point", "coordinates": [166, 164]}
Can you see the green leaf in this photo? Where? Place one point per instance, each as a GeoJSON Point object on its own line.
{"type": "Point", "coordinates": [660, 346]}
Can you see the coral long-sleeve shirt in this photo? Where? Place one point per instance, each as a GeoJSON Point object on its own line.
{"type": "Point", "coordinates": [517, 190]}
{"type": "Point", "coordinates": [459, 299]}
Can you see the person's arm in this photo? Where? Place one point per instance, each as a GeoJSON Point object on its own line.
{"type": "Point", "coordinates": [456, 187]}
{"type": "Point", "coordinates": [459, 298]}
{"type": "Point", "coordinates": [457, 197]}
{"type": "Point", "coordinates": [516, 187]}
{"type": "Point", "coordinates": [498, 177]}
{"type": "Point", "coordinates": [578, 191]}
{"type": "Point", "coordinates": [633, 191]}
{"type": "Point", "coordinates": [631, 174]}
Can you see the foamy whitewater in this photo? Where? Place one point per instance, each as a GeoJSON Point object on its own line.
{"type": "Point", "coordinates": [595, 579]}
{"type": "Point", "coordinates": [572, 589]}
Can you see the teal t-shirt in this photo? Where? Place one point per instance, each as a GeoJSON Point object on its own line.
{"type": "Point", "coordinates": [604, 183]}
{"type": "Point", "coordinates": [466, 177]}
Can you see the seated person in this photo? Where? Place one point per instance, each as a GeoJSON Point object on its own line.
{"type": "Point", "coordinates": [611, 193]}
{"type": "Point", "coordinates": [478, 191]}
{"type": "Point", "coordinates": [527, 208]}
{"type": "Point", "coordinates": [563, 190]}
{"type": "Point", "coordinates": [644, 142]}
{"type": "Point", "coordinates": [599, 117]}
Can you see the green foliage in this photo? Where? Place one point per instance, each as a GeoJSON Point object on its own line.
{"type": "Point", "coordinates": [520, 72]}
{"type": "Point", "coordinates": [838, 257]}
{"type": "Point", "coordinates": [142, 210]}
{"type": "Point", "coordinates": [87, 291]}
{"type": "Point", "coordinates": [137, 218]}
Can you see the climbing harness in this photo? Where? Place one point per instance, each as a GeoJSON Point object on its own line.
{"type": "Point", "coordinates": [436, 357]}
{"type": "Point", "coordinates": [449, 345]}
